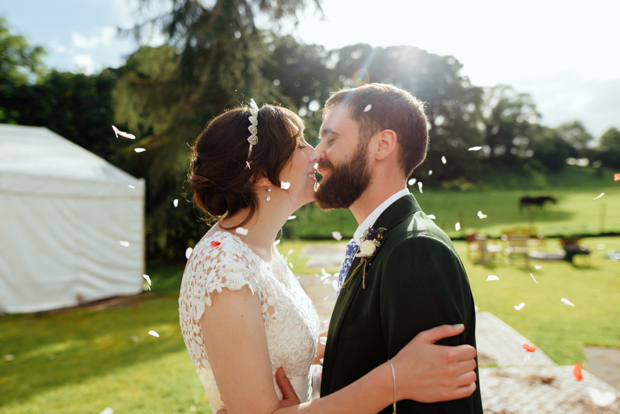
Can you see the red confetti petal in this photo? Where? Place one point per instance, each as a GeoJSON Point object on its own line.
{"type": "Point", "coordinates": [215, 243]}
{"type": "Point", "coordinates": [529, 348]}
{"type": "Point", "coordinates": [577, 372]}
{"type": "Point", "coordinates": [617, 177]}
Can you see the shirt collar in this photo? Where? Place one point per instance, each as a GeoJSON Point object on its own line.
{"type": "Point", "coordinates": [372, 217]}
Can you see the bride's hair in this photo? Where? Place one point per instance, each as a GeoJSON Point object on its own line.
{"type": "Point", "coordinates": [219, 176]}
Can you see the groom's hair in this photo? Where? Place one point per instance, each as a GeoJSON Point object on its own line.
{"type": "Point", "coordinates": [378, 106]}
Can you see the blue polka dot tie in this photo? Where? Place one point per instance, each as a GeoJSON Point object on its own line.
{"type": "Point", "coordinates": [346, 265]}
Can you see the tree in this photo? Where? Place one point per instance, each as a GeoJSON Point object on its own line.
{"type": "Point", "coordinates": [550, 148]}
{"type": "Point", "coordinates": [609, 148]}
{"type": "Point", "coordinates": [576, 135]}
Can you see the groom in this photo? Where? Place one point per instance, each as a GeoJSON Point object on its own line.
{"type": "Point", "coordinates": [409, 277]}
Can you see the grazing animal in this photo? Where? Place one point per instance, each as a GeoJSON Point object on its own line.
{"type": "Point", "coordinates": [535, 201]}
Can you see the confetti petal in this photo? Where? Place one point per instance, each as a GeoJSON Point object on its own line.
{"type": "Point", "coordinates": [336, 235]}
{"type": "Point", "coordinates": [420, 187]}
{"type": "Point", "coordinates": [412, 181]}
{"type": "Point", "coordinates": [247, 165]}
{"type": "Point", "coordinates": [519, 306]}
{"type": "Point", "coordinates": [153, 333]}
{"type": "Point", "coordinates": [131, 186]}
{"type": "Point", "coordinates": [599, 196]}
{"type": "Point", "coordinates": [481, 215]}
{"type": "Point", "coordinates": [430, 172]}
{"type": "Point", "coordinates": [118, 132]}
{"type": "Point", "coordinates": [215, 243]}
{"type": "Point", "coordinates": [147, 278]}
{"type": "Point", "coordinates": [325, 298]}
{"type": "Point", "coordinates": [537, 267]}
{"type": "Point", "coordinates": [290, 265]}
{"type": "Point", "coordinates": [175, 202]}
{"type": "Point", "coordinates": [492, 277]}
{"type": "Point", "coordinates": [529, 348]}
{"type": "Point", "coordinates": [289, 252]}
{"type": "Point", "coordinates": [474, 149]}
{"type": "Point", "coordinates": [533, 278]}
{"type": "Point", "coordinates": [107, 410]}
{"type": "Point", "coordinates": [457, 226]}
{"type": "Point", "coordinates": [617, 177]}
{"type": "Point", "coordinates": [601, 398]}
{"type": "Point", "coordinates": [188, 252]}
{"type": "Point", "coordinates": [124, 243]}
{"type": "Point", "coordinates": [443, 160]}
{"type": "Point", "coordinates": [566, 301]}
{"type": "Point", "coordinates": [368, 107]}
{"type": "Point", "coordinates": [277, 242]}
{"type": "Point", "coordinates": [139, 149]}
{"type": "Point", "coordinates": [284, 185]}
{"type": "Point", "coordinates": [431, 216]}
{"type": "Point", "coordinates": [577, 372]}
{"type": "Point", "coordinates": [323, 340]}
{"type": "Point", "coordinates": [292, 218]}
{"type": "Point", "coordinates": [241, 230]}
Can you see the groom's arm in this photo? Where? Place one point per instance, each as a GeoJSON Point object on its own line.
{"type": "Point", "coordinates": [423, 285]}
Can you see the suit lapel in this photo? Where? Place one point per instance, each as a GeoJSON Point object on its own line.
{"type": "Point", "coordinates": [391, 217]}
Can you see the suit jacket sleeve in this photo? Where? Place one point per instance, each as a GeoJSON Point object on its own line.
{"type": "Point", "coordinates": [424, 285]}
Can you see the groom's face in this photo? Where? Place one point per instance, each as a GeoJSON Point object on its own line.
{"type": "Point", "coordinates": [344, 161]}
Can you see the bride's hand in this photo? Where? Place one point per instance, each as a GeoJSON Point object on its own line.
{"type": "Point", "coordinates": [427, 373]}
{"type": "Point", "coordinates": [289, 396]}
{"type": "Point", "coordinates": [320, 349]}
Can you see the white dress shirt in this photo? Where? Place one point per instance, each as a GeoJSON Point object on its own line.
{"type": "Point", "coordinates": [372, 217]}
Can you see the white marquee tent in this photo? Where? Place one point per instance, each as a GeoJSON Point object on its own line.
{"type": "Point", "coordinates": [63, 215]}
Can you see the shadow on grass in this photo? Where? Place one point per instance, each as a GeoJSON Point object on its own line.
{"type": "Point", "coordinates": [59, 349]}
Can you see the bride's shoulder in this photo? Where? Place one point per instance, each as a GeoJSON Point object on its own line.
{"type": "Point", "coordinates": [221, 248]}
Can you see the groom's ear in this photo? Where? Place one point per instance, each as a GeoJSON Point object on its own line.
{"type": "Point", "coordinates": [386, 142]}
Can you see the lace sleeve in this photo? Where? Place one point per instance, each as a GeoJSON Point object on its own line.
{"type": "Point", "coordinates": [213, 267]}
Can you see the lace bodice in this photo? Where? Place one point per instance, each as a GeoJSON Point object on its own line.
{"type": "Point", "coordinates": [291, 321]}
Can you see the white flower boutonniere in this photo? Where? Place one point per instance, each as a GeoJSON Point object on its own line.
{"type": "Point", "coordinates": [371, 240]}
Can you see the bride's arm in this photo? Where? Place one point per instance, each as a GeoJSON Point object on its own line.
{"type": "Point", "coordinates": [235, 341]}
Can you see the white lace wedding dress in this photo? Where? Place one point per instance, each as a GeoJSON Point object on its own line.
{"type": "Point", "coordinates": [291, 321]}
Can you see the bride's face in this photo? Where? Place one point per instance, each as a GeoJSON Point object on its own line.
{"type": "Point", "coordinates": [299, 173]}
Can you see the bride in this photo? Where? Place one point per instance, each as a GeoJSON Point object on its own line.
{"type": "Point", "coordinates": [251, 331]}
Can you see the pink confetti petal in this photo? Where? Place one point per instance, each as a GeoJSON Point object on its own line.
{"type": "Point", "coordinates": [529, 348]}
{"type": "Point", "coordinates": [118, 132]}
{"type": "Point", "coordinates": [336, 235]}
{"type": "Point", "coordinates": [153, 333]}
{"type": "Point", "coordinates": [139, 150]}
{"type": "Point", "coordinates": [247, 165]}
{"type": "Point", "coordinates": [175, 202]}
{"type": "Point", "coordinates": [368, 108]}
{"type": "Point", "coordinates": [124, 243]}
{"type": "Point", "coordinates": [474, 149]}
{"type": "Point", "coordinates": [599, 196]}
{"type": "Point", "coordinates": [241, 230]}
{"type": "Point", "coordinates": [519, 306]}
{"type": "Point", "coordinates": [188, 252]}
{"type": "Point", "coordinates": [284, 185]}
{"type": "Point", "coordinates": [492, 277]}
{"type": "Point", "coordinates": [420, 187]}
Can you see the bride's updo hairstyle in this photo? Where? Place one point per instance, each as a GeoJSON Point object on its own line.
{"type": "Point", "coordinates": [219, 176]}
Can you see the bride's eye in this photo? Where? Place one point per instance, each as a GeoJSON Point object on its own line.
{"type": "Point", "coordinates": [301, 146]}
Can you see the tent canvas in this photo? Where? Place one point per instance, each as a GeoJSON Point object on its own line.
{"type": "Point", "coordinates": [63, 214]}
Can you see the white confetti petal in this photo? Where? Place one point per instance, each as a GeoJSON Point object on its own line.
{"type": "Point", "coordinates": [412, 181]}
{"type": "Point", "coordinates": [289, 252]}
{"type": "Point", "coordinates": [131, 186]}
{"type": "Point", "coordinates": [443, 160]}
{"type": "Point", "coordinates": [325, 298]}
{"type": "Point", "coordinates": [124, 243]}
{"type": "Point", "coordinates": [326, 322]}
{"type": "Point", "coordinates": [430, 172]}
{"type": "Point", "coordinates": [292, 218]}
{"type": "Point", "coordinates": [153, 333]}
{"type": "Point", "coordinates": [599, 196]}
{"type": "Point", "coordinates": [241, 230]}
{"type": "Point", "coordinates": [335, 284]}
{"type": "Point", "coordinates": [139, 149]}
{"type": "Point", "coordinates": [175, 202]}
{"type": "Point", "coordinates": [481, 215]}
{"type": "Point", "coordinates": [368, 107]}
{"type": "Point", "coordinates": [537, 267]}
{"type": "Point", "coordinates": [492, 277]}
{"type": "Point", "coordinates": [602, 398]}
{"type": "Point", "coordinates": [519, 306]}
{"type": "Point", "coordinates": [147, 278]}
{"type": "Point", "coordinates": [431, 216]}
{"type": "Point", "coordinates": [277, 242]}
{"type": "Point", "coordinates": [566, 301]}
{"type": "Point", "coordinates": [188, 252]}
{"type": "Point", "coordinates": [107, 410]}
{"type": "Point", "coordinates": [474, 149]}
{"type": "Point", "coordinates": [247, 164]}
{"type": "Point", "coordinates": [420, 187]}
{"type": "Point", "coordinates": [321, 359]}
{"type": "Point", "coordinates": [118, 132]}
{"type": "Point", "coordinates": [336, 235]}
{"type": "Point", "coordinates": [284, 185]}
{"type": "Point", "coordinates": [323, 340]}
{"type": "Point", "coordinates": [457, 226]}
{"type": "Point", "coordinates": [325, 274]}
{"type": "Point", "coordinates": [290, 265]}
{"type": "Point", "coordinates": [533, 278]}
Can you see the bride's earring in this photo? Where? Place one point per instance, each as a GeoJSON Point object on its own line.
{"type": "Point", "coordinates": [268, 189]}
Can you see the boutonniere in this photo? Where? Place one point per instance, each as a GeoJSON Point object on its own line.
{"type": "Point", "coordinates": [371, 240]}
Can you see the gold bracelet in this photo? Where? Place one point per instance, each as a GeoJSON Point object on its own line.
{"type": "Point", "coordinates": [394, 379]}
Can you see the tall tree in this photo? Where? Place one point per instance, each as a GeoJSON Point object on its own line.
{"type": "Point", "coordinates": [576, 135]}
{"type": "Point", "coordinates": [609, 148]}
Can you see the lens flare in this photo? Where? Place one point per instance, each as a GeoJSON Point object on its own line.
{"type": "Point", "coordinates": [361, 77]}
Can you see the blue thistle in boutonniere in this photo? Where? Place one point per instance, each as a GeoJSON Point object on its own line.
{"type": "Point", "coordinates": [371, 240]}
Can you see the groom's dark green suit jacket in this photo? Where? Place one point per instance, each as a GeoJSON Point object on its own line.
{"type": "Point", "coordinates": [415, 281]}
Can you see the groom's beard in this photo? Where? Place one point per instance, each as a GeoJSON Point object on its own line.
{"type": "Point", "coordinates": [346, 182]}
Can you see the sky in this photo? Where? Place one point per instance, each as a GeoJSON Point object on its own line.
{"type": "Point", "coordinates": [563, 53]}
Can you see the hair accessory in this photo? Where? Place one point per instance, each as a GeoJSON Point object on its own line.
{"type": "Point", "coordinates": [253, 139]}
{"type": "Point", "coordinates": [268, 189]}
{"type": "Point", "coordinates": [394, 379]}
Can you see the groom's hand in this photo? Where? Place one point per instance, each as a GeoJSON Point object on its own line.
{"type": "Point", "coordinates": [432, 373]}
{"type": "Point", "coordinates": [289, 396]}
